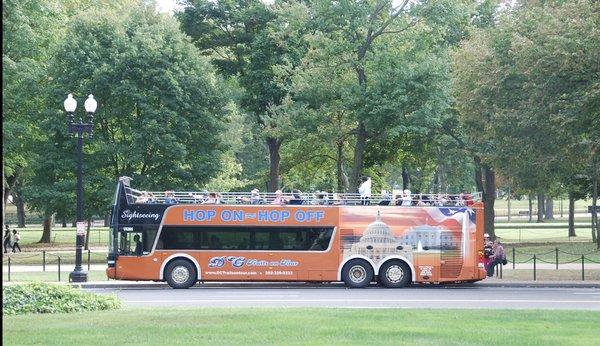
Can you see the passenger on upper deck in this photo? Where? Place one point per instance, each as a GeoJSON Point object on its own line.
{"type": "Point", "coordinates": [339, 199]}
{"type": "Point", "coordinates": [296, 197]}
{"type": "Point", "coordinates": [468, 199]}
{"type": "Point", "coordinates": [170, 198]}
{"type": "Point", "coordinates": [279, 199]}
{"type": "Point", "coordinates": [142, 198]}
{"type": "Point", "coordinates": [197, 198]}
{"type": "Point", "coordinates": [385, 198]}
{"type": "Point", "coordinates": [365, 191]}
{"type": "Point", "coordinates": [212, 199]}
{"type": "Point", "coordinates": [255, 197]}
{"type": "Point", "coordinates": [406, 198]}
{"type": "Point", "coordinates": [321, 198]}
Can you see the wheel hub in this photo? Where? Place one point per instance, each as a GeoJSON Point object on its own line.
{"type": "Point", "coordinates": [358, 274]}
{"type": "Point", "coordinates": [180, 274]}
{"type": "Point", "coordinates": [394, 273]}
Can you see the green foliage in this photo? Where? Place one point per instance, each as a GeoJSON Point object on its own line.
{"type": "Point", "coordinates": [527, 92]}
{"type": "Point", "coordinates": [161, 113]}
{"type": "Point", "coordinates": [49, 298]}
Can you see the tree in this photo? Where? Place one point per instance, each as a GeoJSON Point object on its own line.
{"type": "Point", "coordinates": [355, 30]}
{"type": "Point", "coordinates": [257, 44]}
{"type": "Point", "coordinates": [528, 105]}
{"type": "Point", "coordinates": [161, 109]}
{"type": "Point", "coordinates": [29, 30]}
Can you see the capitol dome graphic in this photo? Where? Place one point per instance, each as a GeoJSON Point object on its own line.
{"type": "Point", "coordinates": [378, 241]}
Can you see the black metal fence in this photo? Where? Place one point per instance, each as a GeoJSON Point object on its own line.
{"type": "Point", "coordinates": [46, 258]}
{"type": "Point", "coordinates": [537, 258]}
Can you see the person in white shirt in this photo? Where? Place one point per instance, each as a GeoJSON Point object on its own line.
{"type": "Point", "coordinates": [365, 191]}
{"type": "Point", "coordinates": [406, 198]}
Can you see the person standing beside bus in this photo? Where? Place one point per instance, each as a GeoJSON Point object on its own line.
{"type": "Point", "coordinates": [498, 257]}
{"type": "Point", "coordinates": [365, 191]}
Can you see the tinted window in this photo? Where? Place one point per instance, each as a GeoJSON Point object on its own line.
{"type": "Point", "coordinates": [246, 238]}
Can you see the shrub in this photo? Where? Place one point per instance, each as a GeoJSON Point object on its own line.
{"type": "Point", "coordinates": [41, 297]}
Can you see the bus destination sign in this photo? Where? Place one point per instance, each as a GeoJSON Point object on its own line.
{"type": "Point", "coordinates": [261, 215]}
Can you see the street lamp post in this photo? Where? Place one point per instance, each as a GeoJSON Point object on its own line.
{"type": "Point", "coordinates": [80, 128]}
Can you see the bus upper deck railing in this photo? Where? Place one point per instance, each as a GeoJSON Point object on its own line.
{"type": "Point", "coordinates": [315, 198]}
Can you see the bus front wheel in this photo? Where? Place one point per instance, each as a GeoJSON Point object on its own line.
{"type": "Point", "coordinates": [357, 273]}
{"type": "Point", "coordinates": [181, 274]}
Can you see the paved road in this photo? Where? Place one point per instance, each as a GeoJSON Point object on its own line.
{"type": "Point", "coordinates": [373, 297]}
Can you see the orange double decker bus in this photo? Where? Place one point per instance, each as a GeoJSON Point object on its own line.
{"type": "Point", "coordinates": [173, 237]}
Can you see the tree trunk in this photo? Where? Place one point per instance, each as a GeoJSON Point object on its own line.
{"type": "Point", "coordinates": [508, 205]}
{"type": "Point", "coordinates": [342, 179]}
{"type": "Point", "coordinates": [64, 222]}
{"type": "Point", "coordinates": [595, 233]}
{"type": "Point", "coordinates": [549, 215]}
{"type": "Point", "coordinates": [478, 176]}
{"type": "Point", "coordinates": [405, 178]}
{"type": "Point", "coordinates": [361, 133]}
{"type": "Point", "coordinates": [359, 150]}
{"type": "Point", "coordinates": [87, 234]}
{"type": "Point", "coordinates": [489, 197]}
{"type": "Point", "coordinates": [572, 215]}
{"type": "Point", "coordinates": [530, 208]}
{"type": "Point", "coordinates": [47, 232]}
{"type": "Point", "coordinates": [18, 199]}
{"type": "Point", "coordinates": [107, 220]}
{"type": "Point", "coordinates": [274, 145]}
{"type": "Point", "coordinates": [540, 207]}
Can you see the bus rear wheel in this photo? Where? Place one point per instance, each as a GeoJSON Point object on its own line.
{"type": "Point", "coordinates": [181, 274]}
{"type": "Point", "coordinates": [357, 273]}
{"type": "Point", "coordinates": [394, 274]}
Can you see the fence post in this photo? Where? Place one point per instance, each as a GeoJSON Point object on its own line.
{"type": "Point", "coordinates": [9, 268]}
{"type": "Point", "coordinates": [556, 258]}
{"type": "Point", "coordinates": [534, 273]}
{"type": "Point", "coordinates": [59, 268]}
{"type": "Point", "coordinates": [88, 260]}
{"type": "Point", "coordinates": [582, 267]}
{"type": "Point", "coordinates": [43, 260]}
{"type": "Point", "coordinates": [513, 257]}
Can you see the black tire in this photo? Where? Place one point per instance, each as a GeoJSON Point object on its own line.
{"type": "Point", "coordinates": [181, 274]}
{"type": "Point", "coordinates": [357, 273]}
{"type": "Point", "coordinates": [395, 274]}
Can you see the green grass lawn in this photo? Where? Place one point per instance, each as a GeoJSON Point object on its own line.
{"type": "Point", "coordinates": [304, 326]}
{"type": "Point", "coordinates": [524, 234]}
{"type": "Point", "coordinates": [61, 237]}
{"type": "Point", "coordinates": [93, 275]}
